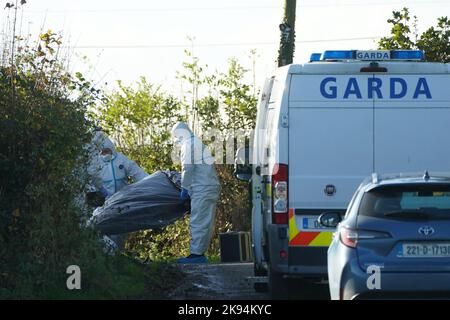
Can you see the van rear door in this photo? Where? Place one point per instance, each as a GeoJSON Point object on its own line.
{"type": "Point", "coordinates": [330, 153]}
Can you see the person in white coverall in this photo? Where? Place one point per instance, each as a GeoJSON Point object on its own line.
{"type": "Point", "coordinates": [111, 171]}
{"type": "Point", "coordinates": [199, 182]}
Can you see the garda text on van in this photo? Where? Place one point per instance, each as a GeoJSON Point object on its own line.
{"type": "Point", "coordinates": [398, 88]}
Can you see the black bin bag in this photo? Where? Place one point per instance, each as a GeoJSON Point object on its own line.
{"type": "Point", "coordinates": [151, 203]}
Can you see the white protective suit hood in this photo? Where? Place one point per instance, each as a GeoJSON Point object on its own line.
{"type": "Point", "coordinates": [101, 141]}
{"type": "Point", "coordinates": [113, 174]}
{"type": "Point", "coordinates": [197, 162]}
{"type": "Point", "coordinates": [181, 132]}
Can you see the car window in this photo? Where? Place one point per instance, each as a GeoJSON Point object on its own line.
{"type": "Point", "coordinates": [401, 200]}
{"type": "Point", "coordinates": [416, 200]}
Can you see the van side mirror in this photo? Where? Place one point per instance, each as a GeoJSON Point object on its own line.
{"type": "Point", "coordinates": [329, 219]}
{"type": "Point", "coordinates": [242, 166]}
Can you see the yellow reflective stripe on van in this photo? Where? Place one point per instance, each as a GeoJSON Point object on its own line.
{"type": "Point", "coordinates": [307, 238]}
{"type": "Point", "coordinates": [323, 239]}
{"type": "Point", "coordinates": [293, 231]}
{"type": "Point", "coordinates": [269, 189]}
{"type": "Point", "coordinates": [310, 239]}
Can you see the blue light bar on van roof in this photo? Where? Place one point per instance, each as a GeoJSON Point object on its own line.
{"type": "Point", "coordinates": [315, 57]}
{"type": "Point", "coordinates": [407, 55]}
{"type": "Point", "coordinates": [338, 55]}
{"type": "Point", "coordinates": [411, 55]}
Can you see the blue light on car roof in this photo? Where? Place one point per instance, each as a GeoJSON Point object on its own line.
{"type": "Point", "coordinates": [407, 55]}
{"type": "Point", "coordinates": [338, 55]}
{"type": "Point", "coordinates": [315, 57]}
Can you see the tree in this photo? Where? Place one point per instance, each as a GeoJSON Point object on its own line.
{"type": "Point", "coordinates": [435, 41]}
{"type": "Point", "coordinates": [237, 98]}
{"type": "Point", "coordinates": [43, 131]}
{"type": "Point", "coordinates": [139, 118]}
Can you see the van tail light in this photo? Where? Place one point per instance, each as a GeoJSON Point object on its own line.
{"type": "Point", "coordinates": [350, 237]}
{"type": "Point", "coordinates": [280, 204]}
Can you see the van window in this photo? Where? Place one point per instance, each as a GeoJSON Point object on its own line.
{"type": "Point", "coordinates": [261, 121]}
{"type": "Point", "coordinates": [276, 87]}
{"type": "Point", "coordinates": [268, 136]}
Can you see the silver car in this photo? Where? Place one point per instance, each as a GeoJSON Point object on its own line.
{"type": "Point", "coordinates": [394, 241]}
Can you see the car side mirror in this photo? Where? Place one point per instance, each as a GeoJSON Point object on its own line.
{"type": "Point", "coordinates": [329, 219]}
{"type": "Point", "coordinates": [242, 166]}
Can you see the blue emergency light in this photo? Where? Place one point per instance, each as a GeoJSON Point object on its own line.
{"type": "Point", "coordinates": [414, 55]}
{"type": "Point", "coordinates": [407, 55]}
{"type": "Point", "coordinates": [338, 55]}
{"type": "Point", "coordinates": [315, 57]}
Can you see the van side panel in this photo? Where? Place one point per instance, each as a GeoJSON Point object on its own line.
{"type": "Point", "coordinates": [256, 184]}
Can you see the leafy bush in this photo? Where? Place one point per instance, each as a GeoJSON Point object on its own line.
{"type": "Point", "coordinates": [44, 127]}
{"type": "Point", "coordinates": [435, 41]}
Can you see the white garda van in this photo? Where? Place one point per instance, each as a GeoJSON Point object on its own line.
{"type": "Point", "coordinates": [321, 128]}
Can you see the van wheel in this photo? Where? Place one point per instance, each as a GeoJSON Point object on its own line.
{"type": "Point", "coordinates": [278, 286]}
{"type": "Point", "coordinates": [260, 272]}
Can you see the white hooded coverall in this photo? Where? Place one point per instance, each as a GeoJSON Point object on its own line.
{"type": "Point", "coordinates": [199, 177]}
{"type": "Point", "coordinates": [113, 175]}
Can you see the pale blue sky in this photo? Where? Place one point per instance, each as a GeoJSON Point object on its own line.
{"type": "Point", "coordinates": [124, 40]}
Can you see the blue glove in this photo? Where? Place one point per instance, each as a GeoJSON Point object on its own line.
{"type": "Point", "coordinates": [184, 195]}
{"type": "Point", "coordinates": [104, 192]}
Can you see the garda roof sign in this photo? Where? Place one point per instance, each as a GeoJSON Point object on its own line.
{"type": "Point", "coordinates": [373, 55]}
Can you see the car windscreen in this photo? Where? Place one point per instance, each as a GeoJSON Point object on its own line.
{"type": "Point", "coordinates": [407, 201]}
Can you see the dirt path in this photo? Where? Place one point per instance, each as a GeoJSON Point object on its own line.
{"type": "Point", "coordinates": [217, 281]}
{"type": "Point", "coordinates": [230, 282]}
